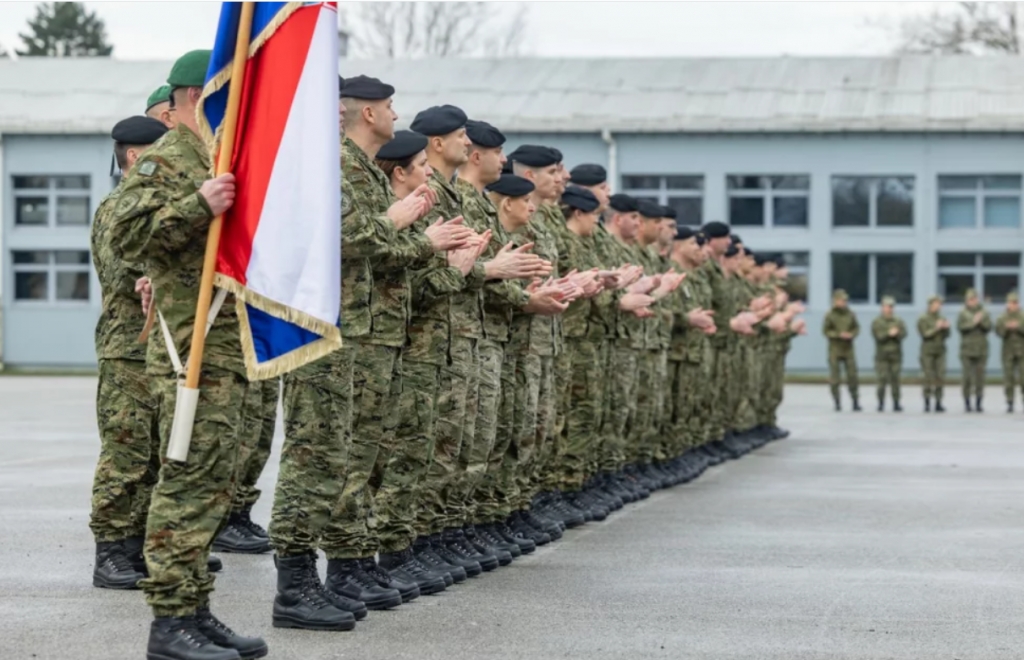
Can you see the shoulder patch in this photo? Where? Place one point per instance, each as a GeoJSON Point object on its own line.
{"type": "Point", "coordinates": [147, 169]}
{"type": "Point", "coordinates": [127, 202]}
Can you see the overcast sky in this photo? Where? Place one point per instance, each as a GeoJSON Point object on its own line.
{"type": "Point", "coordinates": [162, 30]}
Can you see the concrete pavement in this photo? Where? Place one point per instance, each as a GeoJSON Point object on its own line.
{"type": "Point", "coordinates": [863, 536]}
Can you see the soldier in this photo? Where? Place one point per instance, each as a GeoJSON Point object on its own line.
{"type": "Point", "coordinates": [125, 409]}
{"type": "Point", "coordinates": [1010, 327]}
{"type": "Point", "coordinates": [974, 324]}
{"type": "Point", "coordinates": [841, 328]}
{"type": "Point", "coordinates": [934, 330]}
{"type": "Point", "coordinates": [158, 106]}
{"type": "Point", "coordinates": [889, 332]}
{"type": "Point", "coordinates": [160, 220]}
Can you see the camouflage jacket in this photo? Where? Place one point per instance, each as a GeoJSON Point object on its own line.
{"type": "Point", "coordinates": [689, 343]}
{"type": "Point", "coordinates": [884, 343]}
{"type": "Point", "coordinates": [933, 339]}
{"type": "Point", "coordinates": [1013, 338]}
{"type": "Point", "coordinates": [121, 319]}
{"type": "Point", "coordinates": [581, 319]}
{"type": "Point", "coordinates": [629, 327]}
{"type": "Point", "coordinates": [723, 302]}
{"type": "Point", "coordinates": [533, 333]}
{"type": "Point", "coordinates": [838, 321]}
{"type": "Point", "coordinates": [467, 313]}
{"type": "Point", "coordinates": [160, 221]}
{"type": "Point", "coordinates": [434, 284]}
{"type": "Point", "coordinates": [375, 288]}
{"type": "Point", "coordinates": [974, 336]}
{"type": "Point", "coordinates": [501, 297]}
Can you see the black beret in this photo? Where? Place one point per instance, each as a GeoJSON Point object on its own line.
{"type": "Point", "coordinates": [715, 230]}
{"type": "Point", "coordinates": [701, 238]}
{"type": "Point", "coordinates": [404, 145]}
{"type": "Point", "coordinates": [138, 130]}
{"type": "Point", "coordinates": [588, 175]}
{"type": "Point", "coordinates": [366, 88]}
{"type": "Point", "coordinates": [622, 203]}
{"type": "Point", "coordinates": [648, 209]}
{"type": "Point", "coordinates": [483, 134]}
{"type": "Point", "coordinates": [512, 185]}
{"type": "Point", "coordinates": [732, 251]}
{"type": "Point", "coordinates": [760, 260]}
{"type": "Point", "coordinates": [439, 120]}
{"type": "Point", "coordinates": [557, 154]}
{"type": "Point", "coordinates": [341, 85]}
{"type": "Point", "coordinates": [580, 198]}
{"type": "Point", "coordinates": [533, 155]}
{"type": "Point", "coordinates": [685, 233]}
{"type": "Point", "coordinates": [735, 239]}
{"type": "Point", "coordinates": [780, 261]}
{"type": "Point", "coordinates": [669, 212]}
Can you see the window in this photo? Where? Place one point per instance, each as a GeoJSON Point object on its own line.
{"type": "Point", "coordinates": [799, 266]}
{"type": "Point", "coordinates": [869, 201]}
{"type": "Point", "coordinates": [683, 192]}
{"type": "Point", "coordinates": [768, 201]}
{"type": "Point", "coordinates": [52, 201]}
{"type": "Point", "coordinates": [49, 276]}
{"type": "Point", "coordinates": [979, 201]}
{"type": "Point", "coordinates": [992, 274]}
{"type": "Point", "coordinates": [868, 278]}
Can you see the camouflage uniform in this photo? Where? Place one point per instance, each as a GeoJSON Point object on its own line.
{"type": "Point", "coordinates": [1012, 352]}
{"type": "Point", "coordinates": [888, 355]}
{"type": "Point", "coordinates": [974, 349]}
{"type": "Point", "coordinates": [125, 408]}
{"type": "Point", "coordinates": [161, 222]}
{"type": "Point", "coordinates": [723, 342]}
{"type": "Point", "coordinates": [840, 351]}
{"type": "Point", "coordinates": [261, 419]}
{"type": "Point", "coordinates": [933, 354]}
{"type": "Point", "coordinates": [690, 362]}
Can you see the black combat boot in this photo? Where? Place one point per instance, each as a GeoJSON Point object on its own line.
{"type": "Point", "coordinates": [441, 549]}
{"type": "Point", "coordinates": [218, 633]}
{"type": "Point", "coordinates": [245, 519]}
{"type": "Point", "coordinates": [237, 537]}
{"type": "Point", "coordinates": [839, 405]}
{"type": "Point", "coordinates": [455, 539]}
{"type": "Point", "coordinates": [406, 586]}
{"type": "Point", "coordinates": [1009, 406]}
{"type": "Point", "coordinates": [967, 403]}
{"type": "Point", "coordinates": [487, 535]}
{"type": "Point", "coordinates": [302, 601]}
{"type": "Point", "coordinates": [348, 578]}
{"type": "Point", "coordinates": [927, 404]}
{"type": "Point", "coordinates": [541, 522]}
{"type": "Point", "coordinates": [486, 547]}
{"type": "Point", "coordinates": [938, 406]}
{"type": "Point", "coordinates": [114, 568]}
{"type": "Point", "coordinates": [424, 553]}
{"type": "Point", "coordinates": [856, 405]}
{"type": "Point", "coordinates": [179, 638]}
{"type": "Point", "coordinates": [896, 406]}
{"type": "Point", "coordinates": [881, 405]}
{"type": "Point", "coordinates": [214, 564]}
{"type": "Point", "coordinates": [520, 527]}
{"type": "Point", "coordinates": [502, 530]}
{"type": "Point", "coordinates": [977, 404]}
{"type": "Point", "coordinates": [555, 508]}
{"type": "Point", "coordinates": [403, 566]}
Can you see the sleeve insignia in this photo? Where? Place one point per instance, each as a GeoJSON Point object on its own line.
{"type": "Point", "coordinates": [147, 168]}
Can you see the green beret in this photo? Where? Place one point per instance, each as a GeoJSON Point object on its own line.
{"type": "Point", "coordinates": [161, 95]}
{"type": "Point", "coordinates": [190, 69]}
{"type": "Point", "coordinates": [839, 294]}
{"type": "Point", "coordinates": [888, 300]}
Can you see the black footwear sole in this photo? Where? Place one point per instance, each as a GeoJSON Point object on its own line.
{"type": "Point", "coordinates": [106, 584]}
{"type": "Point", "coordinates": [384, 603]}
{"type": "Point", "coordinates": [435, 588]}
{"type": "Point", "coordinates": [252, 655]}
{"type": "Point", "coordinates": [287, 622]}
{"type": "Point", "coordinates": [263, 549]}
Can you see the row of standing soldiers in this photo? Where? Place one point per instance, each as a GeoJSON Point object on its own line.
{"type": "Point", "coordinates": [974, 324]}
{"type": "Point", "coordinates": [523, 353]}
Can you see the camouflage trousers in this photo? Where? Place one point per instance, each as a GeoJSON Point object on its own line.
{"type": "Point", "coordinates": [933, 366]}
{"type": "Point", "coordinates": [887, 370]}
{"type": "Point", "coordinates": [1013, 375]}
{"type": "Point", "coordinates": [476, 458]}
{"type": "Point", "coordinates": [973, 375]}
{"type": "Point", "coordinates": [772, 369]}
{"type": "Point", "coordinates": [623, 362]}
{"type": "Point", "coordinates": [639, 430]}
{"type": "Point", "coordinates": [684, 406]}
{"type": "Point", "coordinates": [262, 419]}
{"type": "Point", "coordinates": [584, 411]}
{"type": "Point", "coordinates": [536, 377]}
{"type": "Point", "coordinates": [401, 500]}
{"type": "Point", "coordinates": [317, 402]}
{"type": "Point", "coordinates": [647, 449]}
{"type": "Point", "coordinates": [443, 502]}
{"type": "Point", "coordinates": [129, 451]}
{"type": "Point", "coordinates": [747, 377]}
{"type": "Point", "coordinates": [552, 453]}
{"type": "Point", "coordinates": [192, 499]}
{"type": "Point", "coordinates": [721, 405]}
{"type": "Point", "coordinates": [497, 493]}
{"type": "Point", "coordinates": [351, 532]}
{"type": "Point", "coordinates": [848, 361]}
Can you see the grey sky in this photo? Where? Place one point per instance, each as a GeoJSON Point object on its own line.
{"type": "Point", "coordinates": [161, 30]}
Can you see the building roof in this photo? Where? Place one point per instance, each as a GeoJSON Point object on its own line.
{"type": "Point", "coordinates": [770, 94]}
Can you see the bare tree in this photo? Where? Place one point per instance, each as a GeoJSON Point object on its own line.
{"type": "Point", "coordinates": [969, 28]}
{"type": "Point", "coordinates": [434, 29]}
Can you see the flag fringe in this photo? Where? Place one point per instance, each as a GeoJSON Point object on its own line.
{"type": "Point", "coordinates": [330, 334]}
{"type": "Point", "coordinates": [222, 77]}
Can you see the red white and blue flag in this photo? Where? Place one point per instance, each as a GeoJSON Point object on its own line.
{"type": "Point", "coordinates": [280, 246]}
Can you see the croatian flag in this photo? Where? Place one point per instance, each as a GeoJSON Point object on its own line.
{"type": "Point", "coordinates": [280, 247]}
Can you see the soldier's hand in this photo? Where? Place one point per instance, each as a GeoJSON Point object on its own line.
{"type": "Point", "coordinates": [699, 318]}
{"type": "Point", "coordinates": [428, 196]}
{"type": "Point", "coordinates": [977, 317]}
{"type": "Point", "coordinates": [545, 299]}
{"type": "Point", "coordinates": [464, 258]}
{"type": "Point", "coordinates": [777, 323]}
{"type": "Point", "coordinates": [643, 313]}
{"type": "Point", "coordinates": [893, 331]}
{"type": "Point", "coordinates": [219, 193]}
{"type": "Point", "coordinates": [144, 288]}
{"type": "Point", "coordinates": [632, 302]}
{"type": "Point", "coordinates": [799, 326]}
{"type": "Point", "coordinates": [406, 211]}
{"type": "Point", "coordinates": [845, 335]}
{"type": "Point", "coordinates": [517, 263]}
{"type": "Point", "coordinates": [710, 330]}
{"type": "Point", "coordinates": [451, 235]}
{"type": "Point", "coordinates": [644, 285]}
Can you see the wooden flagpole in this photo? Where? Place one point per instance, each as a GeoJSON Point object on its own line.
{"type": "Point", "coordinates": [177, 448]}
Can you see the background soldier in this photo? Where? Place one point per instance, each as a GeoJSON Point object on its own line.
{"type": "Point", "coordinates": [934, 331]}
{"type": "Point", "coordinates": [889, 331]}
{"type": "Point", "coordinates": [1010, 326]}
{"type": "Point", "coordinates": [841, 328]}
{"type": "Point", "coordinates": [158, 106]}
{"type": "Point", "coordinates": [974, 324]}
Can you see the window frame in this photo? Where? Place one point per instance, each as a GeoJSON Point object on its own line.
{"type": "Point", "coordinates": [769, 194]}
{"type": "Point", "coordinates": [53, 195]}
{"type": "Point", "coordinates": [874, 295]}
{"type": "Point", "coordinates": [873, 191]}
{"type": "Point", "coordinates": [663, 192]}
{"type": "Point", "coordinates": [52, 269]}
{"type": "Point", "coordinates": [979, 194]}
{"type": "Point", "coordinates": [978, 271]}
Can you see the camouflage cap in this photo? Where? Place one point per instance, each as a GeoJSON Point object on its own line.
{"type": "Point", "coordinates": [970, 293]}
{"type": "Point", "coordinates": [161, 95]}
{"type": "Point", "coordinates": [1012, 297]}
{"type": "Point", "coordinates": [888, 300]}
{"type": "Point", "coordinates": [934, 299]}
{"type": "Point", "coordinates": [189, 70]}
{"type": "Point", "coordinates": [839, 294]}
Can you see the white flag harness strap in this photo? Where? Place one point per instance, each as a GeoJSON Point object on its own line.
{"type": "Point", "coordinates": [179, 368]}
